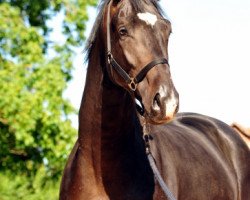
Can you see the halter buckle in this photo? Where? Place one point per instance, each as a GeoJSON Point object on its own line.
{"type": "Point", "coordinates": [132, 84]}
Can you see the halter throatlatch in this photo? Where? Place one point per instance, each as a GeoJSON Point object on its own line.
{"type": "Point", "coordinates": [132, 82]}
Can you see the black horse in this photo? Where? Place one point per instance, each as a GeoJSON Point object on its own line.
{"type": "Point", "coordinates": [199, 158]}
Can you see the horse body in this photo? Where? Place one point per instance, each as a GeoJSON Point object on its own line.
{"type": "Point", "coordinates": [202, 158]}
{"type": "Point", "coordinates": [198, 157]}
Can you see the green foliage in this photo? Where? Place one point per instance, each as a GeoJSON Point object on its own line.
{"type": "Point", "coordinates": [35, 132]}
{"type": "Point", "coordinates": [36, 13]}
{"type": "Point", "coordinates": [23, 188]}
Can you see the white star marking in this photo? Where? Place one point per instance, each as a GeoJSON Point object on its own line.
{"type": "Point", "coordinates": [149, 18]}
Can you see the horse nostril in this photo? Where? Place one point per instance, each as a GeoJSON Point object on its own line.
{"type": "Point", "coordinates": [157, 101]}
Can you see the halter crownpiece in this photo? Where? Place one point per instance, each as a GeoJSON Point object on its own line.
{"type": "Point", "coordinates": [132, 82]}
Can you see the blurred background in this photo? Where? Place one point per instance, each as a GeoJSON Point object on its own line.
{"type": "Point", "coordinates": [42, 76]}
{"type": "Point", "coordinates": [36, 132]}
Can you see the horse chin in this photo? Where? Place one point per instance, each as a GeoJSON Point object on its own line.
{"type": "Point", "coordinates": [155, 118]}
{"type": "Point", "coordinates": [164, 121]}
{"type": "Point", "coordinates": [157, 121]}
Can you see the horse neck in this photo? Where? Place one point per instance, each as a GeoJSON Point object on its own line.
{"type": "Point", "coordinates": [105, 118]}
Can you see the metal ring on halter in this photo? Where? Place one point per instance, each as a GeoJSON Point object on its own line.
{"type": "Point", "coordinates": [132, 84]}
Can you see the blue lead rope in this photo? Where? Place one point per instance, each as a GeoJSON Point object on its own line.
{"type": "Point", "coordinates": [158, 177]}
{"type": "Point", "coordinates": [156, 172]}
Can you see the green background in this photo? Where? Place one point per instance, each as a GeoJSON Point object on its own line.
{"type": "Point", "coordinates": [36, 134]}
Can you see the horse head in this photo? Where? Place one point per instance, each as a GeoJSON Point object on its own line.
{"type": "Point", "coordinates": [137, 54]}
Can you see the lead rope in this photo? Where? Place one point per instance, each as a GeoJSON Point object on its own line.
{"type": "Point", "coordinates": [153, 166]}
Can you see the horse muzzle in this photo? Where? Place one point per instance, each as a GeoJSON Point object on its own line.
{"type": "Point", "coordinates": [161, 109]}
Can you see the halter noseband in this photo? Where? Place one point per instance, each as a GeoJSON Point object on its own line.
{"type": "Point", "coordinates": [130, 81]}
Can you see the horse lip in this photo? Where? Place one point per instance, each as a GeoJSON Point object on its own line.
{"type": "Point", "coordinates": [151, 119]}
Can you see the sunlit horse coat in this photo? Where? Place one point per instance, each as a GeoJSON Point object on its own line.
{"type": "Point", "coordinates": [200, 158]}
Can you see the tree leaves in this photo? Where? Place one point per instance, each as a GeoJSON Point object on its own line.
{"type": "Point", "coordinates": [35, 132]}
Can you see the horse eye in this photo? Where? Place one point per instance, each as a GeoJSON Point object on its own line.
{"type": "Point", "coordinates": [123, 31]}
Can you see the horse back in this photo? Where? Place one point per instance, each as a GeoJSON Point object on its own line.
{"type": "Point", "coordinates": [201, 158]}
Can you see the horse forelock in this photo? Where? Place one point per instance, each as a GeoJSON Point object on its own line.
{"type": "Point", "coordinates": [137, 6]}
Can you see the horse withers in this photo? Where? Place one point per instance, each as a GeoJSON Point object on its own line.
{"type": "Point", "coordinates": [128, 73]}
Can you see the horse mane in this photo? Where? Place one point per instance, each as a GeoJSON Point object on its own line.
{"type": "Point", "coordinates": [137, 5]}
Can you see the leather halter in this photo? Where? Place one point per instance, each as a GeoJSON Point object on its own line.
{"type": "Point", "coordinates": [132, 82]}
